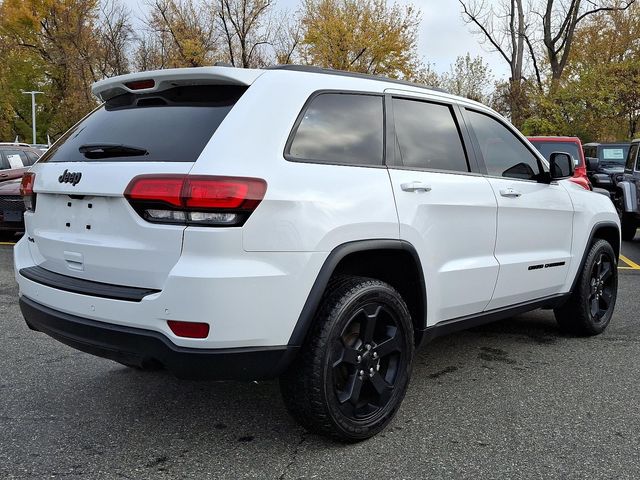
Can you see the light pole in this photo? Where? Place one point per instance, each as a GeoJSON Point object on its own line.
{"type": "Point", "coordinates": [33, 112]}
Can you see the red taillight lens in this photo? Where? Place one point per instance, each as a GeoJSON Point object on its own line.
{"type": "Point", "coordinates": [156, 188]}
{"type": "Point", "coordinates": [189, 329]}
{"type": "Point", "coordinates": [26, 190]}
{"type": "Point", "coordinates": [223, 193]}
{"type": "Point", "coordinates": [198, 200]}
{"type": "Point", "coordinates": [140, 84]}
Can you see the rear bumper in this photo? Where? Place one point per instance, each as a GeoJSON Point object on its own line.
{"type": "Point", "coordinates": [139, 347]}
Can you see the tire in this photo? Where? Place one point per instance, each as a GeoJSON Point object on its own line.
{"type": "Point", "coordinates": [590, 307]}
{"type": "Point", "coordinates": [352, 372]}
{"type": "Point", "coordinates": [629, 227]}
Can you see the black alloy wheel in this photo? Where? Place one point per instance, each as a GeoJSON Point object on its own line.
{"type": "Point", "coordinates": [352, 371]}
{"type": "Point", "coordinates": [590, 306]}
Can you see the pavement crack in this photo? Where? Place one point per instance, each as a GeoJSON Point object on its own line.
{"type": "Point", "coordinates": [294, 456]}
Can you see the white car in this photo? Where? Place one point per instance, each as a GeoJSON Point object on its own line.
{"type": "Point", "coordinates": [300, 223]}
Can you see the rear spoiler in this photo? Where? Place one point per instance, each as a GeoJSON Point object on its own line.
{"type": "Point", "coordinates": [158, 80]}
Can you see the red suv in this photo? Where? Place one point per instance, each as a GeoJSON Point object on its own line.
{"type": "Point", "coordinates": [570, 145]}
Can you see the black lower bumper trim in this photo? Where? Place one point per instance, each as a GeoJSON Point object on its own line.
{"type": "Point", "coordinates": [85, 287]}
{"type": "Point", "coordinates": [140, 347]}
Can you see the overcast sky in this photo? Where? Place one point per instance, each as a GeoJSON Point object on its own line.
{"type": "Point", "coordinates": [443, 35]}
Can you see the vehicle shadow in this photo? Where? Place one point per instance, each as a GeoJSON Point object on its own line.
{"type": "Point", "coordinates": [122, 420]}
{"type": "Point", "coordinates": [244, 411]}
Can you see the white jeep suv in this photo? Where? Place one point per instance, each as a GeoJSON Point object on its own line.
{"type": "Point", "coordinates": [300, 223]}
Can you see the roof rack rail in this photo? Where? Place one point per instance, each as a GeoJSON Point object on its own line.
{"type": "Point", "coordinates": [14, 144]}
{"type": "Point", "coordinates": [331, 71]}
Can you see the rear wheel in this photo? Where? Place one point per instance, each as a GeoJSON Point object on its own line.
{"type": "Point", "coordinates": [590, 307]}
{"type": "Point", "coordinates": [353, 370]}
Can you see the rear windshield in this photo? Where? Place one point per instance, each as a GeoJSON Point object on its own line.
{"type": "Point", "coordinates": [547, 148]}
{"type": "Point", "coordinates": [169, 126]}
{"type": "Point", "coordinates": [614, 154]}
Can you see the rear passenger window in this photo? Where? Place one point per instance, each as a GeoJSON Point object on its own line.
{"type": "Point", "coordinates": [427, 136]}
{"type": "Point", "coordinates": [503, 153]}
{"type": "Point", "coordinates": [340, 128]}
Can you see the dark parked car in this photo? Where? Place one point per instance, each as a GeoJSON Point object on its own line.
{"type": "Point", "coordinates": [11, 207]}
{"type": "Point", "coordinates": [628, 193]}
{"type": "Point", "coordinates": [605, 164]}
{"type": "Point", "coordinates": [16, 158]}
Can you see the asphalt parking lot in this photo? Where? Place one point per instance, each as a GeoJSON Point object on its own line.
{"type": "Point", "coordinates": [509, 400]}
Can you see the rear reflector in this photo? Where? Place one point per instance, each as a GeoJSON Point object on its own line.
{"type": "Point", "coordinates": [189, 329]}
{"type": "Point", "coordinates": [26, 190]}
{"type": "Point", "coordinates": [195, 200]}
{"type": "Point", "coordinates": [140, 84]}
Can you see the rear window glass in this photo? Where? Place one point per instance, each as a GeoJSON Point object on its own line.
{"type": "Point", "coordinates": [615, 154]}
{"type": "Point", "coordinates": [169, 126]}
{"type": "Point", "coordinates": [338, 128]}
{"type": "Point", "coordinates": [15, 159]}
{"type": "Point", "coordinates": [547, 148]}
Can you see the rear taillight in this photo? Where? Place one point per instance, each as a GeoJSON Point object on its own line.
{"type": "Point", "coordinates": [195, 199]}
{"type": "Point", "coordinates": [26, 190]}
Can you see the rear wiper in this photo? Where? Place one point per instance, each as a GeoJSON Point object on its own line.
{"type": "Point", "coordinates": [106, 150]}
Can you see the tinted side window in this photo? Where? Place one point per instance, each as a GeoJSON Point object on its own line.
{"type": "Point", "coordinates": [3, 162]}
{"type": "Point", "coordinates": [631, 156]}
{"type": "Point", "coordinates": [504, 154]}
{"type": "Point", "coordinates": [427, 136]}
{"type": "Point", "coordinates": [32, 157]}
{"type": "Point", "coordinates": [342, 129]}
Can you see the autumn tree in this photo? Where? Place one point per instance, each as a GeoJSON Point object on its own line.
{"type": "Point", "coordinates": [599, 95]}
{"type": "Point", "coordinates": [366, 36]}
{"type": "Point", "coordinates": [469, 77]}
{"type": "Point", "coordinates": [505, 29]}
{"type": "Point", "coordinates": [244, 26]}
{"type": "Point", "coordinates": [55, 42]}
{"type": "Point", "coordinates": [180, 33]}
{"type": "Point", "coordinates": [560, 18]}
{"type": "Point", "coordinates": [114, 38]}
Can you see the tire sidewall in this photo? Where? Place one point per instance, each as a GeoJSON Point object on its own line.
{"type": "Point", "coordinates": [383, 294]}
{"type": "Point", "coordinates": [585, 284]}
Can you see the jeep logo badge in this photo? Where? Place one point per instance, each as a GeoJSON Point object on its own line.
{"type": "Point", "coordinates": [70, 177]}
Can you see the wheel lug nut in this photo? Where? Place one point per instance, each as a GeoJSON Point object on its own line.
{"type": "Point", "coordinates": [361, 373]}
{"type": "Point", "coordinates": [367, 347]}
{"type": "Point", "coordinates": [375, 354]}
{"type": "Point", "coordinates": [371, 372]}
{"type": "Point", "coordinates": [359, 358]}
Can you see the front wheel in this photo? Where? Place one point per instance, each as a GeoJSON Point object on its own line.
{"type": "Point", "coordinates": [353, 370]}
{"type": "Point", "coordinates": [590, 307]}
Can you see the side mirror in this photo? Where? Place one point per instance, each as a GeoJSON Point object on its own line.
{"type": "Point", "coordinates": [592, 164]}
{"type": "Point", "coordinates": [561, 166]}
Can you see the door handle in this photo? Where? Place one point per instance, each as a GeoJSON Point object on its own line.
{"type": "Point", "coordinates": [4, 175]}
{"type": "Point", "coordinates": [510, 193]}
{"type": "Point", "coordinates": [415, 187]}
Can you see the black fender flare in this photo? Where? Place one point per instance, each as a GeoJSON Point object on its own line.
{"type": "Point", "coordinates": [629, 199]}
{"type": "Point", "coordinates": [312, 303]}
{"type": "Point", "coordinates": [592, 235]}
